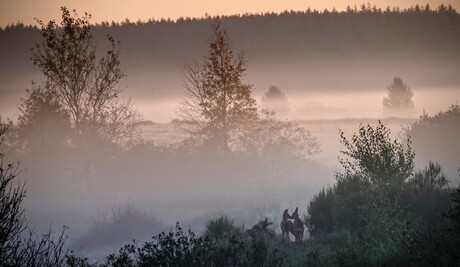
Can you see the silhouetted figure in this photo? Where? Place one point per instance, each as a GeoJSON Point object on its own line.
{"type": "Point", "coordinates": [286, 225]}
{"type": "Point", "coordinates": [297, 229]}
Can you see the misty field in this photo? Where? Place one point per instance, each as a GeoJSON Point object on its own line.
{"type": "Point", "coordinates": [299, 138]}
{"type": "Point", "coordinates": [326, 131]}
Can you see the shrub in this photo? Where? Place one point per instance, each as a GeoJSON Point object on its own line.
{"type": "Point", "coordinates": [379, 204]}
{"type": "Point", "coordinates": [221, 228]}
{"type": "Point", "coordinates": [124, 224]}
{"type": "Point", "coordinates": [185, 248]}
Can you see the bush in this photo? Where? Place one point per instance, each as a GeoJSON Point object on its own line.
{"type": "Point", "coordinates": [185, 248]}
{"type": "Point", "coordinates": [427, 194]}
{"type": "Point", "coordinates": [338, 207]}
{"type": "Point", "coordinates": [440, 246]}
{"type": "Point", "coordinates": [124, 224]}
{"type": "Point", "coordinates": [221, 228]}
{"type": "Point", "coordinates": [375, 156]}
{"type": "Point", "coordinates": [379, 204]}
{"type": "Point", "coordinates": [435, 138]}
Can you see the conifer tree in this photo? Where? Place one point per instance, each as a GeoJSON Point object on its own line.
{"type": "Point", "coordinates": [399, 100]}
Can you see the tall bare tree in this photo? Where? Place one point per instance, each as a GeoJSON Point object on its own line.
{"type": "Point", "coordinates": [83, 81]}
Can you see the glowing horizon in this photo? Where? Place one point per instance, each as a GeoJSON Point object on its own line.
{"type": "Point", "coordinates": [13, 11]}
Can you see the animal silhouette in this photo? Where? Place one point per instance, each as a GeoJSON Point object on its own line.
{"type": "Point", "coordinates": [297, 228]}
{"type": "Point", "coordinates": [286, 225]}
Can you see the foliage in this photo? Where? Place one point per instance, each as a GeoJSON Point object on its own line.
{"type": "Point", "coordinates": [369, 217]}
{"type": "Point", "coordinates": [83, 85]}
{"type": "Point", "coordinates": [275, 99]}
{"type": "Point", "coordinates": [435, 138]}
{"type": "Point", "coordinates": [123, 224]}
{"type": "Point", "coordinates": [272, 137]}
{"type": "Point", "coordinates": [278, 144]}
{"type": "Point", "coordinates": [43, 120]}
{"type": "Point", "coordinates": [182, 248]}
{"type": "Point", "coordinates": [222, 117]}
{"type": "Point", "coordinates": [399, 100]}
{"type": "Point", "coordinates": [372, 154]}
{"type": "Point", "coordinates": [443, 118]}
{"type": "Point", "coordinates": [338, 207]}
{"type": "Point", "coordinates": [221, 228]}
{"type": "Point", "coordinates": [219, 104]}
{"type": "Point", "coordinates": [427, 194]}
{"type": "Point", "coordinates": [429, 179]}
{"type": "Point", "coordinates": [364, 222]}
{"type": "Point", "coordinates": [12, 219]}
{"type": "Point", "coordinates": [269, 40]}
{"type": "Point", "coordinates": [454, 212]}
{"type": "Point", "coordinates": [440, 246]}
{"type": "Point", "coordinates": [379, 204]}
{"type": "Point", "coordinates": [387, 226]}
{"type": "Point", "coordinates": [39, 250]}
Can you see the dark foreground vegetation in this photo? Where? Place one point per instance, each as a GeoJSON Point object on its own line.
{"type": "Point", "coordinates": [381, 210]}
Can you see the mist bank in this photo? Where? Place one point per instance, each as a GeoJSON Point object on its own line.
{"type": "Point", "coordinates": [321, 104]}
{"type": "Point", "coordinates": [297, 51]}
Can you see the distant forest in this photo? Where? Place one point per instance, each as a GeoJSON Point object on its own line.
{"type": "Point", "coordinates": [361, 48]}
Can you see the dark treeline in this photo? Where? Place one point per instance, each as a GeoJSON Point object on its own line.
{"type": "Point", "coordinates": [420, 44]}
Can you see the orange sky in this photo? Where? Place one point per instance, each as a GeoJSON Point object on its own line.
{"type": "Point", "coordinates": [12, 11]}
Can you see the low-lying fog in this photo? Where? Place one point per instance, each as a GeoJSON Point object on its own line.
{"type": "Point", "coordinates": [156, 182]}
{"type": "Point", "coordinates": [319, 105]}
{"type": "Point", "coordinates": [192, 190]}
{"type": "Point", "coordinates": [170, 187]}
{"type": "Point", "coordinates": [321, 113]}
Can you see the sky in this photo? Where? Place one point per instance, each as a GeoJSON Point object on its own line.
{"type": "Point", "coordinates": [13, 11]}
